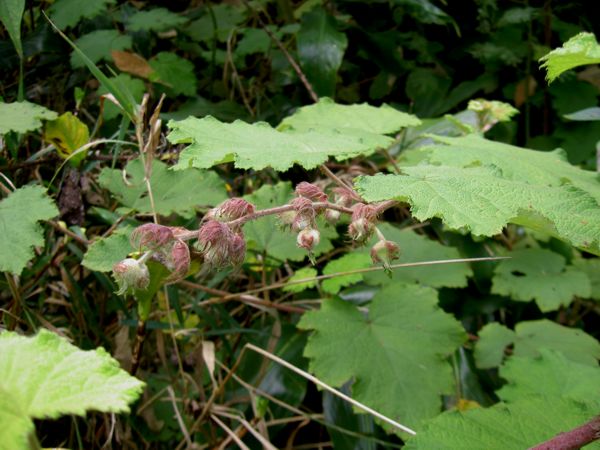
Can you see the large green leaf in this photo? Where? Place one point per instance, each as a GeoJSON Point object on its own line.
{"type": "Point", "coordinates": [103, 253]}
{"type": "Point", "coordinates": [265, 234]}
{"type": "Point", "coordinates": [321, 49]}
{"type": "Point", "coordinates": [350, 261]}
{"type": "Point", "coordinates": [540, 275]}
{"type": "Point", "coordinates": [98, 45]}
{"type": "Point", "coordinates": [46, 377]}
{"type": "Point", "coordinates": [480, 200]}
{"type": "Point", "coordinates": [175, 72]}
{"type": "Point", "coordinates": [19, 229]}
{"type": "Point", "coordinates": [417, 248]}
{"type": "Point", "coordinates": [550, 375]}
{"type": "Point", "coordinates": [535, 167]}
{"type": "Point", "coordinates": [11, 13]}
{"type": "Point", "coordinates": [173, 192]}
{"type": "Point", "coordinates": [516, 426]}
{"type": "Point", "coordinates": [68, 13]}
{"type": "Point", "coordinates": [349, 118]}
{"type": "Point", "coordinates": [157, 19]}
{"type": "Point", "coordinates": [529, 337]}
{"type": "Point", "coordinates": [259, 145]}
{"type": "Point", "coordinates": [23, 116]}
{"type": "Point", "coordinates": [577, 51]}
{"type": "Point", "coordinates": [395, 353]}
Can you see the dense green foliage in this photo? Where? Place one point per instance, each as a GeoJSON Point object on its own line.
{"type": "Point", "coordinates": [398, 199]}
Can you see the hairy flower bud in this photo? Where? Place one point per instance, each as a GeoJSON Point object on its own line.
{"type": "Point", "coordinates": [363, 222]}
{"type": "Point", "coordinates": [311, 192]}
{"type": "Point", "coordinates": [305, 214]}
{"type": "Point", "coordinates": [220, 246]}
{"type": "Point", "coordinates": [308, 238]}
{"type": "Point", "coordinates": [178, 261]}
{"type": "Point", "coordinates": [231, 209]}
{"type": "Point", "coordinates": [385, 252]}
{"type": "Point", "coordinates": [130, 273]}
{"type": "Point", "coordinates": [332, 216]}
{"type": "Point", "coordinates": [151, 236]}
{"type": "Point", "coordinates": [342, 196]}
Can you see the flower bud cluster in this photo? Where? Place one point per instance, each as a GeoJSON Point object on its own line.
{"type": "Point", "coordinates": [232, 209]}
{"type": "Point", "coordinates": [364, 219]}
{"type": "Point", "coordinates": [220, 245]}
{"type": "Point", "coordinates": [131, 274]}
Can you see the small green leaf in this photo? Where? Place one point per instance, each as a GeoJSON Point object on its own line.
{"type": "Point", "coordinates": [157, 19]}
{"type": "Point", "coordinates": [19, 229]}
{"type": "Point", "coordinates": [68, 13]}
{"type": "Point", "coordinates": [175, 72]}
{"type": "Point", "coordinates": [265, 234]}
{"type": "Point", "coordinates": [551, 375]}
{"type": "Point", "coordinates": [11, 14]}
{"type": "Point", "coordinates": [493, 340]}
{"type": "Point", "coordinates": [503, 427]}
{"type": "Point", "coordinates": [46, 377]}
{"type": "Point", "coordinates": [22, 117]}
{"type": "Point", "coordinates": [98, 45]}
{"type": "Point", "coordinates": [105, 252]}
{"type": "Point", "coordinates": [67, 134]}
{"type": "Point", "coordinates": [579, 50]}
{"type": "Point", "coordinates": [350, 261]}
{"type": "Point", "coordinates": [321, 49]}
{"type": "Point", "coordinates": [529, 337]}
{"type": "Point", "coordinates": [540, 275]}
{"type": "Point", "coordinates": [173, 192]}
{"type": "Point", "coordinates": [259, 145]}
{"type": "Point", "coordinates": [395, 353]}
{"type": "Point", "coordinates": [301, 274]}
{"type": "Point", "coordinates": [349, 118]}
{"type": "Point", "coordinates": [591, 267]}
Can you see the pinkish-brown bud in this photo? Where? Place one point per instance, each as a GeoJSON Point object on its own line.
{"type": "Point", "coordinates": [342, 196]}
{"type": "Point", "coordinates": [220, 246]}
{"type": "Point", "coordinates": [385, 252]}
{"type": "Point", "coordinates": [130, 273]}
{"type": "Point", "coordinates": [151, 236]}
{"type": "Point", "coordinates": [308, 238]}
{"type": "Point", "coordinates": [363, 222]}
{"type": "Point", "coordinates": [231, 209]}
{"type": "Point", "coordinates": [311, 192]}
{"type": "Point", "coordinates": [178, 261]}
{"type": "Point", "coordinates": [332, 216]}
{"type": "Point", "coordinates": [305, 214]}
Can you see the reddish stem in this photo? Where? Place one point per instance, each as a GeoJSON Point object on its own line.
{"type": "Point", "coordinates": [574, 439]}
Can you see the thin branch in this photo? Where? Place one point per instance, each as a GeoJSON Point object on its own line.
{"type": "Point", "coordinates": [574, 439]}
{"type": "Point", "coordinates": [291, 60]}
{"type": "Point", "coordinates": [230, 432]}
{"type": "Point", "coordinates": [335, 392]}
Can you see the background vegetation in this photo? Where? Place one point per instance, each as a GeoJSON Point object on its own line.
{"type": "Point", "coordinates": [483, 333]}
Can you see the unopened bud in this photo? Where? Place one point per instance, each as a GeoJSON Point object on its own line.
{"type": "Point", "coordinates": [342, 196]}
{"type": "Point", "coordinates": [213, 240]}
{"type": "Point", "coordinates": [363, 222]}
{"type": "Point", "coordinates": [130, 273]}
{"type": "Point", "coordinates": [332, 216]}
{"type": "Point", "coordinates": [385, 252]}
{"type": "Point", "coordinates": [305, 214]}
{"type": "Point", "coordinates": [178, 261]}
{"type": "Point", "coordinates": [311, 192]}
{"type": "Point", "coordinates": [308, 238]}
{"type": "Point", "coordinates": [151, 236]}
{"type": "Point", "coordinates": [237, 249]}
{"type": "Point", "coordinates": [231, 209]}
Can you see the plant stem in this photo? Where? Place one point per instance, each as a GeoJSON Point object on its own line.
{"type": "Point", "coordinates": [574, 439]}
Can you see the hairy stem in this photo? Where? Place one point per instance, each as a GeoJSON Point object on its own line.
{"type": "Point", "coordinates": [574, 439]}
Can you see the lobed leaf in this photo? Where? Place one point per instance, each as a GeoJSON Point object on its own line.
{"type": "Point", "coordinates": [105, 252]}
{"type": "Point", "coordinates": [22, 117]}
{"type": "Point", "coordinates": [157, 19]}
{"type": "Point", "coordinates": [20, 213]}
{"type": "Point", "coordinates": [68, 13]}
{"type": "Point", "coordinates": [46, 377]}
{"type": "Point", "coordinates": [515, 426]}
{"type": "Point", "coordinates": [577, 51]}
{"type": "Point", "coordinates": [259, 145]}
{"type": "Point", "coordinates": [173, 192]}
{"type": "Point", "coordinates": [541, 275]}
{"type": "Point", "coordinates": [395, 353]}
